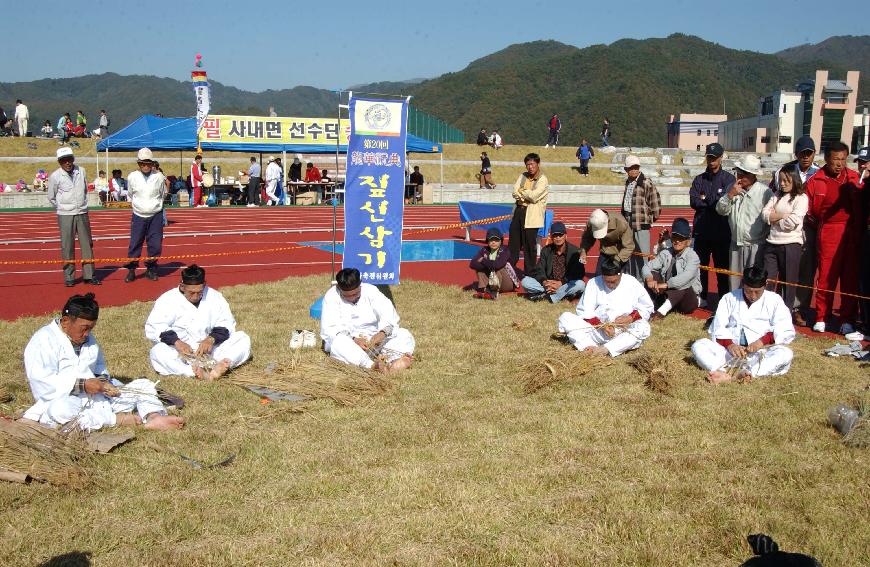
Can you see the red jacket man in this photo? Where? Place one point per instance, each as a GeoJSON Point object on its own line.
{"type": "Point", "coordinates": [835, 204]}
{"type": "Point", "coordinates": [196, 180]}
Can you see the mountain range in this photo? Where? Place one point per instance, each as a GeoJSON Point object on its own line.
{"type": "Point", "coordinates": [636, 83]}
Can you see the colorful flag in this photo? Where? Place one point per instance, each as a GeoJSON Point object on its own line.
{"type": "Point", "coordinates": [203, 96]}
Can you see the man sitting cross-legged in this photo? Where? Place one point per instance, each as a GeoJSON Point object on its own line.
{"type": "Point", "coordinates": [558, 274]}
{"type": "Point", "coordinates": [752, 325]}
{"type": "Point", "coordinates": [673, 276]}
{"type": "Point", "coordinates": [360, 326]}
{"type": "Point", "coordinates": [612, 314]}
{"type": "Point", "coordinates": [191, 324]}
{"type": "Point", "coordinates": [70, 382]}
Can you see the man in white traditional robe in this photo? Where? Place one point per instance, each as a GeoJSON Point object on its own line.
{"type": "Point", "coordinates": [360, 326]}
{"type": "Point", "coordinates": [613, 314]}
{"type": "Point", "coordinates": [70, 382]}
{"type": "Point", "coordinates": [750, 323]}
{"type": "Point", "coordinates": [191, 323]}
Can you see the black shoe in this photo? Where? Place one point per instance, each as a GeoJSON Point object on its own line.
{"type": "Point", "coordinates": [536, 296]}
{"type": "Point", "coordinates": [151, 274]}
{"type": "Point", "coordinates": [94, 281]}
{"type": "Point", "coordinates": [69, 283]}
{"type": "Point", "coordinates": [131, 275]}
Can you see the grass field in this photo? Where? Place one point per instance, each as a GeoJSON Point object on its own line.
{"type": "Point", "coordinates": [457, 466]}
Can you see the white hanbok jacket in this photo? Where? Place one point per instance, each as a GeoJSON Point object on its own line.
{"type": "Point", "coordinates": [371, 314]}
{"type": "Point", "coordinates": [53, 367]}
{"type": "Point", "coordinates": [767, 315]}
{"type": "Point", "coordinates": [600, 304]}
{"type": "Point", "coordinates": [173, 312]}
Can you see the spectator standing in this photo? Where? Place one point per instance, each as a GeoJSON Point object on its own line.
{"type": "Point", "coordinates": [554, 125]}
{"type": "Point", "coordinates": [711, 231]}
{"type": "Point", "coordinates": [296, 170]}
{"type": "Point", "coordinates": [584, 154]}
{"type": "Point", "coordinates": [485, 176]}
{"type": "Point", "coordinates": [196, 180]}
{"type": "Point", "coordinates": [415, 182]}
{"type": "Point", "coordinates": [863, 161]}
{"type": "Point", "coordinates": [835, 204]}
{"type": "Point", "coordinates": [805, 152]}
{"type": "Point", "coordinates": [104, 124]}
{"type": "Point", "coordinates": [605, 133]}
{"type": "Point", "coordinates": [482, 139]}
{"type": "Point", "coordinates": [22, 115]}
{"type": "Point", "coordinates": [273, 175]}
{"type": "Point", "coordinates": [530, 195]}
{"type": "Point", "coordinates": [641, 207]}
{"type": "Point", "coordinates": [146, 188]}
{"type": "Point", "coordinates": [559, 273]}
{"type": "Point", "coordinates": [785, 213]}
{"type": "Point", "coordinates": [254, 183]}
{"type": "Point", "coordinates": [68, 194]}
{"type": "Point", "coordinates": [743, 206]}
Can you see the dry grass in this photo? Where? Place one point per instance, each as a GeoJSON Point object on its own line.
{"type": "Point", "coordinates": [456, 466]}
{"type": "Point", "coordinates": [45, 455]}
{"type": "Point", "coordinates": [658, 371]}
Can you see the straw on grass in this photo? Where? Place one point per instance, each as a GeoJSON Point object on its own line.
{"type": "Point", "coordinates": [859, 435]}
{"type": "Point", "coordinates": [344, 384]}
{"type": "Point", "coordinates": [45, 454]}
{"type": "Point", "coordinates": [657, 371]}
{"type": "Point", "coordinates": [541, 373]}
{"type": "Point", "coordinates": [5, 395]}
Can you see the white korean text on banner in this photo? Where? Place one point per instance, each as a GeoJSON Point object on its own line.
{"type": "Point", "coordinates": [203, 96]}
{"type": "Point", "coordinates": [375, 189]}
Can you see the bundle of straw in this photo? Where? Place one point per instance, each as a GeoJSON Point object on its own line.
{"type": "Point", "coordinates": [5, 395]}
{"type": "Point", "coordinates": [658, 371]}
{"type": "Point", "coordinates": [344, 384]}
{"type": "Point", "coordinates": [45, 454]}
{"type": "Point", "coordinates": [541, 373]}
{"type": "Point", "coordinates": [522, 325]}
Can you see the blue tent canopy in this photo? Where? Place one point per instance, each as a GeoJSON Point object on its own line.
{"type": "Point", "coordinates": [158, 133]}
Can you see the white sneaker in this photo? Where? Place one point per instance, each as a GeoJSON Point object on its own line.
{"type": "Point", "coordinates": [249, 205]}
{"type": "Point", "coordinates": [819, 327]}
{"type": "Point", "coordinates": [846, 329]}
{"type": "Point", "coordinates": [547, 145]}
{"type": "Point", "coordinates": [856, 336]}
{"type": "Point", "coordinates": [297, 339]}
{"type": "Point", "coordinates": [309, 339]}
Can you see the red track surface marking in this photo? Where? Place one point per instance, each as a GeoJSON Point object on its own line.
{"type": "Point", "coordinates": [38, 289]}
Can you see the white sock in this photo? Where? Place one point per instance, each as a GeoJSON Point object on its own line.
{"type": "Point", "coordinates": [666, 307]}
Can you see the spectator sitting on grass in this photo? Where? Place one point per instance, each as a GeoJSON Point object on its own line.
{"type": "Point", "coordinates": [40, 182]}
{"type": "Point", "coordinates": [47, 131]}
{"type": "Point", "coordinates": [673, 276]}
{"type": "Point", "coordinates": [492, 265]}
{"type": "Point", "coordinates": [558, 274]}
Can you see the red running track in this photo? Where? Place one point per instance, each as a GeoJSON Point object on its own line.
{"type": "Point", "coordinates": [38, 289]}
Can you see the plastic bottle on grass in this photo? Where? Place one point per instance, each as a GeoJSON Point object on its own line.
{"type": "Point", "coordinates": [843, 418]}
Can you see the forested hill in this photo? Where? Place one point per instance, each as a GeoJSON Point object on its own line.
{"type": "Point", "coordinates": [636, 83]}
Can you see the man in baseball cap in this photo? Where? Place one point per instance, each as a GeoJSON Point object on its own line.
{"type": "Point", "coordinates": [614, 234]}
{"type": "Point", "coordinates": [146, 188]}
{"type": "Point", "coordinates": [67, 190]}
{"type": "Point", "coordinates": [673, 277]}
{"type": "Point", "coordinates": [558, 274]}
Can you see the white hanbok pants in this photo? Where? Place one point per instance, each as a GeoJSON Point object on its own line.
{"type": "Point", "coordinates": [96, 412]}
{"type": "Point", "coordinates": [343, 348]}
{"type": "Point", "coordinates": [773, 361]}
{"type": "Point", "coordinates": [166, 361]}
{"type": "Point", "coordinates": [272, 190]}
{"type": "Point", "coordinates": [582, 335]}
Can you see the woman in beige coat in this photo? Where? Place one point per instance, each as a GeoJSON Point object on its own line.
{"type": "Point", "coordinates": [530, 193]}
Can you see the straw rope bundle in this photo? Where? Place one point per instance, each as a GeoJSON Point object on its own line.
{"type": "Point", "coordinates": [344, 384]}
{"type": "Point", "coordinates": [657, 370]}
{"type": "Point", "coordinates": [541, 373]}
{"type": "Point", "coordinates": [45, 454]}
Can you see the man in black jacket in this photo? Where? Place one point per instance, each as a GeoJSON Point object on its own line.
{"type": "Point", "coordinates": [558, 274]}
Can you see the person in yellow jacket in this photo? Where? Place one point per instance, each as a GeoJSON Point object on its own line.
{"type": "Point", "coordinates": [530, 193]}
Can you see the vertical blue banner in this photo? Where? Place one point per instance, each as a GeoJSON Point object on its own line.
{"type": "Point", "coordinates": [374, 200]}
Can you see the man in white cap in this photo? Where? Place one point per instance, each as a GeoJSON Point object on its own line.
{"type": "Point", "coordinates": [612, 316]}
{"type": "Point", "coordinates": [67, 190]}
{"type": "Point", "coordinates": [611, 230]}
{"type": "Point", "coordinates": [273, 174]}
{"type": "Point", "coordinates": [641, 207]}
{"type": "Point", "coordinates": [146, 189]}
{"type": "Point", "coordinates": [743, 206]}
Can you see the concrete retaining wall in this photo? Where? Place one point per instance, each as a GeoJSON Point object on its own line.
{"type": "Point", "coordinates": [563, 194]}
{"type": "Point", "coordinates": [35, 200]}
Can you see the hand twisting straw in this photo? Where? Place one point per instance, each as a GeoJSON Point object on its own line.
{"type": "Point", "coordinates": [205, 361]}
{"type": "Point", "coordinates": [738, 363]}
{"type": "Point", "coordinates": [382, 352]}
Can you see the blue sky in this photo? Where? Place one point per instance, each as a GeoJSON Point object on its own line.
{"type": "Point", "coordinates": [262, 45]}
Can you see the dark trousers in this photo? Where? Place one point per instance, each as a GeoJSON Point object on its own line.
{"type": "Point", "coordinates": [584, 167]}
{"type": "Point", "coordinates": [254, 191]}
{"type": "Point", "coordinates": [683, 301]}
{"type": "Point", "coordinates": [808, 265]}
{"type": "Point", "coordinates": [553, 138]}
{"type": "Point", "coordinates": [143, 230]}
{"type": "Point", "coordinates": [525, 238]}
{"type": "Point", "coordinates": [718, 249]}
{"type": "Point", "coordinates": [782, 262]}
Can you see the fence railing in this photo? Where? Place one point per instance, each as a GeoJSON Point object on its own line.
{"type": "Point", "coordinates": [425, 125]}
